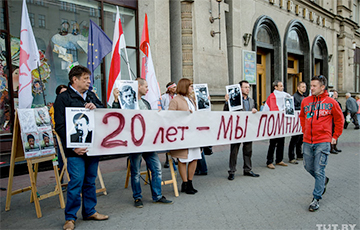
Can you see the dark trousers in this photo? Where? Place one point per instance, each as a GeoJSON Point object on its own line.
{"type": "Point", "coordinates": [247, 153]}
{"type": "Point", "coordinates": [296, 141]}
{"type": "Point", "coordinates": [354, 119]}
{"type": "Point", "coordinates": [277, 143]}
{"type": "Point", "coordinates": [201, 166]}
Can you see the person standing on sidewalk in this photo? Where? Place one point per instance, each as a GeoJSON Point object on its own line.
{"type": "Point", "coordinates": [297, 140]}
{"type": "Point", "coordinates": [151, 158]}
{"type": "Point", "coordinates": [318, 111]}
{"type": "Point", "coordinates": [82, 169]}
{"type": "Point", "coordinates": [334, 149]}
{"type": "Point", "coordinates": [275, 102]}
{"type": "Point", "coordinates": [248, 105]}
{"type": "Point", "coordinates": [351, 109]}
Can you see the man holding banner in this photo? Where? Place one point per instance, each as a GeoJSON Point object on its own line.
{"type": "Point", "coordinates": [82, 168]}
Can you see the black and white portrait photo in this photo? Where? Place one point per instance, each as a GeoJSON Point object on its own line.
{"type": "Point", "coordinates": [202, 97]}
{"type": "Point", "coordinates": [289, 106]}
{"type": "Point", "coordinates": [235, 97]}
{"type": "Point", "coordinates": [79, 127]}
{"type": "Point", "coordinates": [128, 94]}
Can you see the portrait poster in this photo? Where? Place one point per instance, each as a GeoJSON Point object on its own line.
{"type": "Point", "coordinates": [128, 94]}
{"type": "Point", "coordinates": [235, 97]}
{"type": "Point", "coordinates": [36, 132]}
{"type": "Point", "coordinates": [202, 97]}
{"type": "Point", "coordinates": [79, 127]}
{"type": "Point", "coordinates": [289, 107]}
{"type": "Point", "coordinates": [249, 66]}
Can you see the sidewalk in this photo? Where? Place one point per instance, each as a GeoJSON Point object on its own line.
{"type": "Point", "coordinates": [278, 199]}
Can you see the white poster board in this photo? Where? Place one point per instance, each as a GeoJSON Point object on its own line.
{"type": "Point", "coordinates": [128, 94]}
{"type": "Point", "coordinates": [235, 97]}
{"type": "Point", "coordinates": [79, 127]}
{"type": "Point", "coordinates": [202, 97]}
{"type": "Point", "coordinates": [289, 107]}
{"type": "Point", "coordinates": [36, 132]}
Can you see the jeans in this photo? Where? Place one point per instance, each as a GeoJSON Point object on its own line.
{"type": "Point", "coordinates": [315, 161]}
{"type": "Point", "coordinates": [295, 141]}
{"type": "Point", "coordinates": [83, 172]}
{"type": "Point", "coordinates": [201, 166]}
{"type": "Point", "coordinates": [277, 143]}
{"type": "Point", "coordinates": [247, 153]}
{"type": "Point", "coordinates": [152, 163]}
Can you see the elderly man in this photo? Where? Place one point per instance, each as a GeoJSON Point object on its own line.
{"type": "Point", "coordinates": [82, 168]}
{"type": "Point", "coordinates": [351, 109]}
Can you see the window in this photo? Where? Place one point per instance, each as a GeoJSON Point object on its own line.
{"type": "Point", "coordinates": [41, 21]}
{"type": "Point", "coordinates": [92, 12]}
{"type": "Point", "coordinates": [72, 7]}
{"type": "Point", "coordinates": [40, 2]}
{"type": "Point", "coordinates": [32, 19]}
{"type": "Point", "coordinates": [63, 5]}
{"type": "Point", "coordinates": [30, 1]}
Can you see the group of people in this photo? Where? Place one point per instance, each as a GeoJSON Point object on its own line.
{"type": "Point", "coordinates": [321, 118]}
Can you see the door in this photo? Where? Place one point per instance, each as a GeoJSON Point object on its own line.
{"type": "Point", "coordinates": [260, 78]}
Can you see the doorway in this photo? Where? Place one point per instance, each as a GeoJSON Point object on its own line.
{"type": "Point", "coordinates": [260, 78]}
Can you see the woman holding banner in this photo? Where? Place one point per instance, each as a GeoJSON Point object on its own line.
{"type": "Point", "coordinates": [184, 102]}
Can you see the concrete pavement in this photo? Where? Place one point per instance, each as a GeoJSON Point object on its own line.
{"type": "Point", "coordinates": [278, 199]}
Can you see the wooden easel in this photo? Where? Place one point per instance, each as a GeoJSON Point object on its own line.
{"type": "Point", "coordinates": [172, 172]}
{"type": "Point", "coordinates": [17, 154]}
{"type": "Point", "coordinates": [64, 169]}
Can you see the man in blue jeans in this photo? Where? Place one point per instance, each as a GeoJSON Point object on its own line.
{"type": "Point", "coordinates": [151, 158]}
{"type": "Point", "coordinates": [318, 112]}
{"type": "Point", "coordinates": [82, 168]}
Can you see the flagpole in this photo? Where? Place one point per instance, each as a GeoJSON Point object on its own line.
{"type": "Point", "coordinates": [127, 63]}
{"type": "Point", "coordinates": [130, 70]}
{"type": "Point", "coordinates": [41, 83]}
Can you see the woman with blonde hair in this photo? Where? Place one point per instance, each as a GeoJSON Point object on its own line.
{"type": "Point", "coordinates": [183, 101]}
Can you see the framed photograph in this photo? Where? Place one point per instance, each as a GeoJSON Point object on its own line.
{"type": "Point", "coordinates": [249, 66]}
{"type": "Point", "coordinates": [202, 97]}
{"type": "Point", "coordinates": [128, 94]}
{"type": "Point", "coordinates": [235, 97]}
{"type": "Point", "coordinates": [289, 107]}
{"type": "Point", "coordinates": [79, 127]}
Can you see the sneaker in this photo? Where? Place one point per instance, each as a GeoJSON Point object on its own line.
{"type": "Point", "coordinates": [231, 176]}
{"type": "Point", "coordinates": [138, 203]}
{"type": "Point", "coordinates": [326, 182]}
{"type": "Point", "coordinates": [293, 161]}
{"type": "Point", "coordinates": [314, 205]}
{"type": "Point", "coordinates": [163, 200]}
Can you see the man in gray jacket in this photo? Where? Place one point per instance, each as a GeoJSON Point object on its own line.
{"type": "Point", "coordinates": [351, 108]}
{"type": "Point", "coordinates": [248, 105]}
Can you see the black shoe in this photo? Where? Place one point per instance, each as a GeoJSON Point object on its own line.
{"type": "Point", "coordinates": [338, 150]}
{"type": "Point", "coordinates": [333, 151]}
{"type": "Point", "coordinates": [163, 200]}
{"type": "Point", "coordinates": [326, 182]}
{"type": "Point", "coordinates": [138, 203]}
{"type": "Point", "coordinates": [314, 205]}
{"type": "Point", "coordinates": [190, 187]}
{"type": "Point", "coordinates": [200, 173]}
{"type": "Point", "coordinates": [231, 176]}
{"type": "Point", "coordinates": [183, 186]}
{"type": "Point", "coordinates": [166, 165]}
{"type": "Point", "coordinates": [251, 173]}
{"type": "Point", "coordinates": [357, 127]}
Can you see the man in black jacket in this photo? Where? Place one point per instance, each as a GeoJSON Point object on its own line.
{"type": "Point", "coordinates": [248, 105]}
{"type": "Point", "coordinates": [297, 140]}
{"type": "Point", "coordinates": [82, 168]}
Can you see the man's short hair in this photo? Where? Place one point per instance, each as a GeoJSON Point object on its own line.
{"type": "Point", "coordinates": [78, 71]}
{"type": "Point", "coordinates": [300, 82]}
{"type": "Point", "coordinates": [333, 90]}
{"type": "Point", "coordinates": [276, 83]}
{"type": "Point", "coordinates": [243, 81]}
{"type": "Point", "coordinates": [59, 88]}
{"type": "Point", "coordinates": [321, 78]}
{"type": "Point", "coordinates": [140, 80]}
{"type": "Point", "coordinates": [30, 136]}
{"type": "Point", "coordinates": [348, 94]}
{"type": "Point", "coordinates": [79, 116]}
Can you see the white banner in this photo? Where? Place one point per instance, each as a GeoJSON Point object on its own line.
{"type": "Point", "coordinates": [127, 131]}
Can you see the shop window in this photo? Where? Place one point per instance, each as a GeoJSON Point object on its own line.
{"type": "Point", "coordinates": [41, 21]}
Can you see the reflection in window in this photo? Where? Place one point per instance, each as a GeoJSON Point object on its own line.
{"type": "Point", "coordinates": [293, 41]}
{"type": "Point", "coordinates": [41, 21]}
{"type": "Point", "coordinates": [263, 36]}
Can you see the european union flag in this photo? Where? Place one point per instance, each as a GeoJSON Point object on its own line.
{"type": "Point", "coordinates": [99, 45]}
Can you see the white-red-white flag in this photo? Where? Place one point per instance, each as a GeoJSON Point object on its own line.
{"type": "Point", "coordinates": [29, 59]}
{"type": "Point", "coordinates": [115, 68]}
{"type": "Point", "coordinates": [147, 69]}
{"type": "Point", "coordinates": [275, 101]}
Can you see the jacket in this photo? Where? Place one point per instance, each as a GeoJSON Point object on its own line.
{"type": "Point", "coordinates": [351, 105]}
{"type": "Point", "coordinates": [298, 99]}
{"type": "Point", "coordinates": [251, 103]}
{"type": "Point", "coordinates": [316, 117]}
{"type": "Point", "coordinates": [179, 103]}
{"type": "Point", "coordinates": [70, 98]}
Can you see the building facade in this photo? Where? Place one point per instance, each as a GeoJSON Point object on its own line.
{"type": "Point", "coordinates": [218, 42]}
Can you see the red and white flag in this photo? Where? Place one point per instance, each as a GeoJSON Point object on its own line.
{"type": "Point", "coordinates": [29, 59]}
{"type": "Point", "coordinates": [275, 101]}
{"type": "Point", "coordinates": [147, 69]}
{"type": "Point", "coordinates": [115, 68]}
